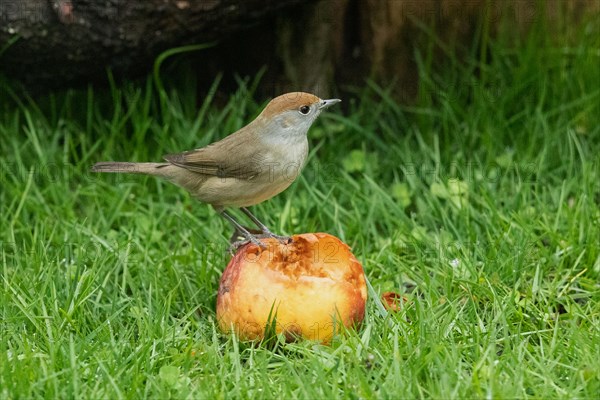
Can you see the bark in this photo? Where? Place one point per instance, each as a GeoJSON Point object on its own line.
{"type": "Point", "coordinates": [62, 42]}
{"type": "Point", "coordinates": [305, 45]}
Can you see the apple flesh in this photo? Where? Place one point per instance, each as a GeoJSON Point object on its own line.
{"type": "Point", "coordinates": [305, 289]}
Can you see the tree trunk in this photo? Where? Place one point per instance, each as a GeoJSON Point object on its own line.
{"type": "Point", "coordinates": [305, 45]}
{"type": "Point", "coordinates": [64, 42]}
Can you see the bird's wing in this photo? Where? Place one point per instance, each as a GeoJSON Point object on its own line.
{"type": "Point", "coordinates": [232, 157]}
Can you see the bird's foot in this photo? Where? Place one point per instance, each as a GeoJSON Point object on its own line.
{"type": "Point", "coordinates": [239, 239]}
{"type": "Point", "coordinates": [279, 238]}
{"type": "Point", "coordinates": [234, 246]}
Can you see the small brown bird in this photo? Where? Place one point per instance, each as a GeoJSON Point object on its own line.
{"type": "Point", "coordinates": [247, 167]}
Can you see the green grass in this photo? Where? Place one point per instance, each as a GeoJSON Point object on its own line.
{"type": "Point", "coordinates": [480, 202]}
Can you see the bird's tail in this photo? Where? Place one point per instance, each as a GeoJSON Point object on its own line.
{"type": "Point", "coordinates": [130, 167]}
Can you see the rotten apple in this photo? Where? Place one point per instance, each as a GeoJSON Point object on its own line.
{"type": "Point", "coordinates": [308, 288]}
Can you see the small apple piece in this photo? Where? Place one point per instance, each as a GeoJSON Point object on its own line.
{"type": "Point", "coordinates": [306, 288]}
{"type": "Point", "coordinates": [393, 301]}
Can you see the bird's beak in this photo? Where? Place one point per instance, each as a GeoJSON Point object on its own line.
{"type": "Point", "coordinates": [326, 103]}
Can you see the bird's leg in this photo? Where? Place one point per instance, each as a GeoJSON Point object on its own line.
{"type": "Point", "coordinates": [243, 231]}
{"type": "Point", "coordinates": [266, 232]}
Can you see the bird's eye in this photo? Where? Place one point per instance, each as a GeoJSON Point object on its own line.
{"type": "Point", "coordinates": [304, 110]}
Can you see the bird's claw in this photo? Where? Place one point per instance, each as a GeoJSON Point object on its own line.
{"type": "Point", "coordinates": [256, 240]}
{"type": "Point", "coordinates": [279, 238]}
{"type": "Point", "coordinates": [235, 246]}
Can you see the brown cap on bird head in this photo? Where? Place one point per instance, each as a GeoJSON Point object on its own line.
{"type": "Point", "coordinates": [289, 101]}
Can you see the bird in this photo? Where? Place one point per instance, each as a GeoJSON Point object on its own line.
{"type": "Point", "coordinates": [245, 168]}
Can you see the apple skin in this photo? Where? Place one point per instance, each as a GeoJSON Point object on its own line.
{"type": "Point", "coordinates": [310, 285]}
